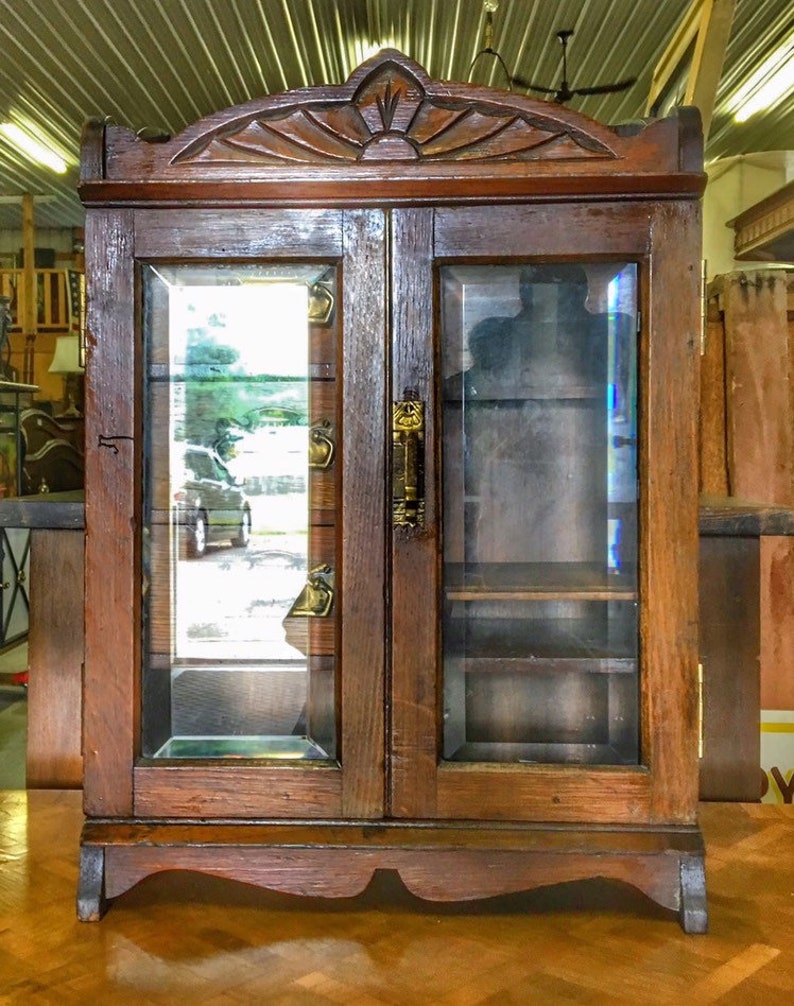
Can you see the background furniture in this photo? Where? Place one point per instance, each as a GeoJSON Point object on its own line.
{"type": "Point", "coordinates": [14, 542]}
{"type": "Point", "coordinates": [733, 533]}
{"type": "Point", "coordinates": [53, 524]}
{"type": "Point", "coordinates": [53, 452]}
{"type": "Point", "coordinates": [14, 399]}
{"type": "Point", "coordinates": [747, 466]}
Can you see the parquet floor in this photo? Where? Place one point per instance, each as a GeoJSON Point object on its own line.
{"type": "Point", "coordinates": [183, 939]}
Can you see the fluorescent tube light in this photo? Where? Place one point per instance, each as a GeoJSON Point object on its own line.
{"type": "Point", "coordinates": [34, 149]}
{"type": "Point", "coordinates": [773, 80]}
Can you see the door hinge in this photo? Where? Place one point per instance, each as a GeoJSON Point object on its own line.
{"type": "Point", "coordinates": [701, 739]}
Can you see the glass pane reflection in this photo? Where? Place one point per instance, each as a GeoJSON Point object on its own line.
{"type": "Point", "coordinates": [239, 512]}
{"type": "Point", "coordinates": [540, 636]}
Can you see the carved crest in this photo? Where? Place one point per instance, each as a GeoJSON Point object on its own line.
{"type": "Point", "coordinates": [390, 110]}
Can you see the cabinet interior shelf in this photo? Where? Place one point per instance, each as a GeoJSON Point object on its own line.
{"type": "Point", "coordinates": [538, 582]}
{"type": "Point", "coordinates": [286, 748]}
{"type": "Point", "coordinates": [528, 643]}
{"type": "Point", "coordinates": [543, 754]}
{"type": "Point", "coordinates": [511, 396]}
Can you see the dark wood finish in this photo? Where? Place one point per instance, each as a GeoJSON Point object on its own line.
{"type": "Point", "coordinates": [765, 231]}
{"type": "Point", "coordinates": [39, 428]}
{"type": "Point", "coordinates": [112, 472]}
{"type": "Point", "coordinates": [745, 625]}
{"type": "Point", "coordinates": [65, 510]}
{"type": "Point", "coordinates": [751, 323]}
{"type": "Point", "coordinates": [759, 363]}
{"type": "Point", "coordinates": [55, 657]}
{"type": "Point", "coordinates": [730, 768]}
{"type": "Point", "coordinates": [439, 864]}
{"type": "Point", "coordinates": [727, 515]}
{"type": "Point", "coordinates": [391, 174]}
{"type": "Point", "coordinates": [713, 443]}
{"type": "Point", "coordinates": [55, 637]}
{"type": "Point", "coordinates": [668, 577]}
{"type": "Point", "coordinates": [777, 622]}
{"type": "Point", "coordinates": [415, 575]}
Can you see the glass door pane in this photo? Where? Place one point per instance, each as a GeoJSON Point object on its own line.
{"type": "Point", "coordinates": [239, 487]}
{"type": "Point", "coordinates": [539, 453]}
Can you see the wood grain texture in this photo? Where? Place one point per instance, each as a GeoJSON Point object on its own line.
{"type": "Point", "coordinates": [112, 547]}
{"type": "Point", "coordinates": [711, 429]}
{"type": "Point", "coordinates": [250, 233]}
{"type": "Point", "coordinates": [388, 128]}
{"type": "Point", "coordinates": [557, 229]}
{"type": "Point", "coordinates": [668, 513]}
{"type": "Point", "coordinates": [760, 377]}
{"type": "Point", "coordinates": [729, 651]}
{"type": "Point", "coordinates": [180, 936]}
{"type": "Point", "coordinates": [777, 622]}
{"type": "Point", "coordinates": [415, 586]}
{"type": "Point", "coordinates": [363, 514]}
{"type": "Point", "coordinates": [440, 864]}
{"type": "Point", "coordinates": [387, 216]}
{"type": "Point", "coordinates": [731, 516]}
{"type": "Point", "coordinates": [55, 659]}
{"type": "Point", "coordinates": [57, 510]}
{"type": "Point", "coordinates": [194, 790]}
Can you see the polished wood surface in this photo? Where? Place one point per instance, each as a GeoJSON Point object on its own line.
{"type": "Point", "coordinates": [730, 768]}
{"type": "Point", "coordinates": [55, 658]}
{"type": "Point", "coordinates": [65, 509]}
{"type": "Point", "coordinates": [184, 937]}
{"type": "Point", "coordinates": [396, 173]}
{"type": "Point", "coordinates": [777, 622]}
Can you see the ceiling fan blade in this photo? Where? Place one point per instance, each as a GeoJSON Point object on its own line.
{"type": "Point", "coordinates": [527, 85]}
{"type": "Point", "coordinates": [620, 85]}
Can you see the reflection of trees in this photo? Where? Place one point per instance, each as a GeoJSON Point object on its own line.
{"type": "Point", "coordinates": [223, 401]}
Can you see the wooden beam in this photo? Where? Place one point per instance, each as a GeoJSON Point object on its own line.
{"type": "Point", "coordinates": [29, 319]}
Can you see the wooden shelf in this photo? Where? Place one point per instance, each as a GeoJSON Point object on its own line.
{"type": "Point", "coordinates": [543, 754]}
{"type": "Point", "coordinates": [505, 395]}
{"type": "Point", "coordinates": [538, 582]}
{"type": "Point", "coordinates": [46, 510]}
{"type": "Point", "coordinates": [584, 644]}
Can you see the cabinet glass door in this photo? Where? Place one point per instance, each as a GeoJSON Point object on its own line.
{"type": "Point", "coordinates": [239, 547]}
{"type": "Point", "coordinates": [539, 627]}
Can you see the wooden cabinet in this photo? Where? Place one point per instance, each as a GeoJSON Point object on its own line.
{"type": "Point", "coordinates": [391, 500]}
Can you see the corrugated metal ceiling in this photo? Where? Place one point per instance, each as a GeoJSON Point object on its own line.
{"type": "Point", "coordinates": [165, 63]}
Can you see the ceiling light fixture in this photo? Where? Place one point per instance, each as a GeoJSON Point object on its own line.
{"type": "Point", "coordinates": [34, 149]}
{"type": "Point", "coordinates": [490, 7]}
{"type": "Point", "coordinates": [365, 50]}
{"type": "Point", "coordinates": [772, 81]}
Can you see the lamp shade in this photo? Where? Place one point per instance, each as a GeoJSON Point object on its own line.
{"type": "Point", "coordinates": [66, 359]}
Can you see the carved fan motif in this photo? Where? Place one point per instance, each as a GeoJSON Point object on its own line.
{"type": "Point", "coordinates": [392, 116]}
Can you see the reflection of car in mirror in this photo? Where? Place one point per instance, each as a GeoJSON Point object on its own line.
{"type": "Point", "coordinates": [209, 503]}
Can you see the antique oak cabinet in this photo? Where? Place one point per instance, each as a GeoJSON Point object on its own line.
{"type": "Point", "coordinates": [391, 518]}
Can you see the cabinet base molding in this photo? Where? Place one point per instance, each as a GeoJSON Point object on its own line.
{"type": "Point", "coordinates": [455, 862]}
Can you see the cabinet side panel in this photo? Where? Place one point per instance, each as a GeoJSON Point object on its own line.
{"type": "Point", "coordinates": [669, 513]}
{"type": "Point", "coordinates": [111, 646]}
{"type": "Point", "coordinates": [363, 644]}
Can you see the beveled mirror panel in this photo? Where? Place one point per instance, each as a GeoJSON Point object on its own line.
{"type": "Point", "coordinates": [540, 587]}
{"type": "Point", "coordinates": [239, 560]}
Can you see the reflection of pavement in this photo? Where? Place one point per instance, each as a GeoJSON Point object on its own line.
{"type": "Point", "coordinates": [231, 603]}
